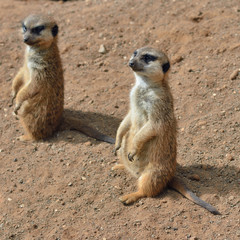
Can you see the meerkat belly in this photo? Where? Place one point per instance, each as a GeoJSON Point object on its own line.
{"type": "Point", "coordinates": [140, 162]}
{"type": "Point", "coordinates": [158, 153]}
{"type": "Point", "coordinates": [42, 113]}
{"type": "Point", "coordinates": [135, 167]}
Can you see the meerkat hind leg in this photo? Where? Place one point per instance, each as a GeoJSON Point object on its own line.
{"type": "Point", "coordinates": [27, 133]}
{"type": "Point", "coordinates": [148, 186]}
{"type": "Point", "coordinates": [133, 197]}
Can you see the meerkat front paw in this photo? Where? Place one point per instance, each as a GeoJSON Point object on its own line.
{"type": "Point", "coordinates": [117, 147]}
{"type": "Point", "coordinates": [131, 155]}
{"type": "Point", "coordinates": [17, 107]}
{"type": "Point", "coordinates": [12, 98]}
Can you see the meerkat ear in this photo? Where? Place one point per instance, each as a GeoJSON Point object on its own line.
{"type": "Point", "coordinates": [166, 67]}
{"type": "Point", "coordinates": [55, 30]}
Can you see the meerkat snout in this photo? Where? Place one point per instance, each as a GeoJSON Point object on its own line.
{"type": "Point", "coordinates": [26, 39]}
{"type": "Point", "coordinates": [131, 64]}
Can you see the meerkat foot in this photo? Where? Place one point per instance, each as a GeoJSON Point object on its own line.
{"type": "Point", "coordinates": [118, 166]}
{"type": "Point", "coordinates": [24, 138]}
{"type": "Point", "coordinates": [131, 198]}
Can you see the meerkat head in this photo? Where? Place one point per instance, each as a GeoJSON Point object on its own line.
{"type": "Point", "coordinates": [39, 30]}
{"type": "Point", "coordinates": [149, 62]}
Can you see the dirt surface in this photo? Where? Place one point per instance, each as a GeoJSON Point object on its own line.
{"type": "Point", "coordinates": [63, 187]}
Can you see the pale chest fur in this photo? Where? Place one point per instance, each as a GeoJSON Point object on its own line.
{"type": "Point", "coordinates": [142, 98]}
{"type": "Point", "coordinates": [35, 60]}
{"type": "Point", "coordinates": [32, 65]}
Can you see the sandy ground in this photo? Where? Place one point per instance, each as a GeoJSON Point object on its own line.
{"type": "Point", "coordinates": [63, 187]}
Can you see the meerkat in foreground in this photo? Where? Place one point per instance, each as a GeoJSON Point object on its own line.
{"type": "Point", "coordinates": [146, 138]}
{"type": "Point", "coordinates": [39, 85]}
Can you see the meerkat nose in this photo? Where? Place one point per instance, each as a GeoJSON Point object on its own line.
{"type": "Point", "coordinates": [25, 39]}
{"type": "Point", "coordinates": [131, 64]}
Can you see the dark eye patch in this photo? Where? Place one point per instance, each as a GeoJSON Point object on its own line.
{"type": "Point", "coordinates": [38, 29]}
{"type": "Point", "coordinates": [55, 30]}
{"type": "Point", "coordinates": [24, 28]}
{"type": "Point", "coordinates": [149, 58]}
{"type": "Point", "coordinates": [135, 53]}
{"type": "Point", "coordinates": [165, 67]}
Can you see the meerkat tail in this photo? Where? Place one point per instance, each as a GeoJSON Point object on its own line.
{"type": "Point", "coordinates": [78, 125]}
{"type": "Point", "coordinates": [179, 186]}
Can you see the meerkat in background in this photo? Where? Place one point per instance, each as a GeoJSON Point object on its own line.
{"type": "Point", "coordinates": [39, 85]}
{"type": "Point", "coordinates": [146, 138]}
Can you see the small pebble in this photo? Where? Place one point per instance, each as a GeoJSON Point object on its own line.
{"type": "Point", "coordinates": [102, 49]}
{"type": "Point", "coordinates": [194, 177]}
{"type": "Point", "coordinates": [234, 74]}
{"type": "Point", "coordinates": [229, 157]}
{"type": "Point", "coordinates": [21, 181]}
{"type": "Point", "coordinates": [88, 144]}
{"type": "Point", "coordinates": [35, 226]}
{"type": "Point", "coordinates": [204, 167]}
{"type": "Point", "coordinates": [178, 59]}
{"type": "Point", "coordinates": [231, 198]}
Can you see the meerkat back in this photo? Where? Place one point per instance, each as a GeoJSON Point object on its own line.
{"type": "Point", "coordinates": [39, 86]}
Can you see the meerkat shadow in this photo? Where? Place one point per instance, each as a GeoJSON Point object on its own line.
{"type": "Point", "coordinates": [105, 124]}
{"type": "Point", "coordinates": [213, 180]}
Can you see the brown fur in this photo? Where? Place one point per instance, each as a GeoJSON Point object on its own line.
{"type": "Point", "coordinates": [39, 85]}
{"type": "Point", "coordinates": [146, 138]}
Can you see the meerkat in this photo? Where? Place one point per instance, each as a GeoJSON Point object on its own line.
{"type": "Point", "coordinates": [39, 85]}
{"type": "Point", "coordinates": [146, 138]}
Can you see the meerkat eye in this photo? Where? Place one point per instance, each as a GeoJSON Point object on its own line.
{"type": "Point", "coordinates": [135, 53]}
{"type": "Point", "coordinates": [38, 29]}
{"type": "Point", "coordinates": [149, 58]}
{"type": "Point", "coordinates": [24, 28]}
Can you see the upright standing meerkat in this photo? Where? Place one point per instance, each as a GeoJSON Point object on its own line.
{"type": "Point", "coordinates": [39, 85]}
{"type": "Point", "coordinates": [146, 138]}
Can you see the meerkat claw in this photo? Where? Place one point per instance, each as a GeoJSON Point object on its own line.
{"type": "Point", "coordinates": [116, 149]}
{"type": "Point", "coordinates": [130, 157]}
{"type": "Point", "coordinates": [13, 97]}
{"type": "Point", "coordinates": [16, 110]}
